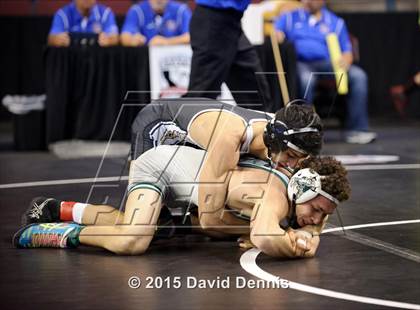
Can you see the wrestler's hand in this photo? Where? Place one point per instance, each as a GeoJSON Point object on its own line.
{"type": "Point", "coordinates": [245, 243]}
{"type": "Point", "coordinates": [344, 64]}
{"type": "Point", "coordinates": [302, 242]}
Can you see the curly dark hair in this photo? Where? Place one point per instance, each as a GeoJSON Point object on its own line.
{"type": "Point", "coordinates": [336, 182]}
{"type": "Point", "coordinates": [299, 116]}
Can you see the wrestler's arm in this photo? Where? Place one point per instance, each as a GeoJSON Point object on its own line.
{"type": "Point", "coordinates": [221, 159]}
{"type": "Point", "coordinates": [228, 232]}
{"type": "Point", "coordinates": [266, 233]}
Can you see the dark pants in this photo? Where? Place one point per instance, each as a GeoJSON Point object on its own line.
{"type": "Point", "coordinates": [222, 53]}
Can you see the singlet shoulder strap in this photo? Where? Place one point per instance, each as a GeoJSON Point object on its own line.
{"type": "Point", "coordinates": [249, 135]}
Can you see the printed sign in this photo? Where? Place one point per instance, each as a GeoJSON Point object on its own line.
{"type": "Point", "coordinates": [170, 72]}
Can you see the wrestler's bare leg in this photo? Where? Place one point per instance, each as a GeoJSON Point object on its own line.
{"type": "Point", "coordinates": [134, 234]}
{"type": "Point", "coordinates": [101, 215]}
{"type": "Point", "coordinates": [105, 214]}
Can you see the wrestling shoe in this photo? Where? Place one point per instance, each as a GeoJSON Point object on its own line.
{"type": "Point", "coordinates": [48, 235]}
{"type": "Point", "coordinates": [42, 210]}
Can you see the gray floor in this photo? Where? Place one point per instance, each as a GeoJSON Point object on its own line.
{"type": "Point", "coordinates": [379, 262]}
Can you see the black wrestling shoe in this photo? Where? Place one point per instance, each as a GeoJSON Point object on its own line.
{"type": "Point", "coordinates": [42, 210]}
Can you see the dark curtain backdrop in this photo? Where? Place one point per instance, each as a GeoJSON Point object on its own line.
{"type": "Point", "coordinates": [87, 88]}
{"type": "Point", "coordinates": [389, 52]}
{"type": "Point", "coordinates": [21, 67]}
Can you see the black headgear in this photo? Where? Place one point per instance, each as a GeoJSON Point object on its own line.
{"type": "Point", "coordinates": [277, 135]}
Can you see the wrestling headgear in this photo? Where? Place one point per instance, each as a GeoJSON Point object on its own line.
{"type": "Point", "coordinates": [306, 185]}
{"type": "Point", "coordinates": [278, 136]}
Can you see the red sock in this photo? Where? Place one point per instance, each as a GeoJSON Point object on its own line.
{"type": "Point", "coordinates": [66, 210]}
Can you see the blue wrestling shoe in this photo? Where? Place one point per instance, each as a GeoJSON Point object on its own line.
{"type": "Point", "coordinates": [48, 235]}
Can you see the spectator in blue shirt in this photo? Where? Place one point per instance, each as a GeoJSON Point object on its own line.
{"type": "Point", "coordinates": [307, 28]}
{"type": "Point", "coordinates": [156, 22]}
{"type": "Point", "coordinates": [85, 16]}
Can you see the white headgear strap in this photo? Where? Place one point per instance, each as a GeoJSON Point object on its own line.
{"type": "Point", "coordinates": [290, 132]}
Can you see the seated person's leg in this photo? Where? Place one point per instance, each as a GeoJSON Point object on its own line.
{"type": "Point", "coordinates": [307, 81]}
{"type": "Point", "coordinates": [357, 112]}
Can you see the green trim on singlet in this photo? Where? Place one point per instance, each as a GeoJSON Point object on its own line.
{"type": "Point", "coordinates": [250, 162]}
{"type": "Point", "coordinates": [151, 186]}
{"type": "Point", "coordinates": [238, 214]}
{"type": "Point", "coordinates": [260, 164]}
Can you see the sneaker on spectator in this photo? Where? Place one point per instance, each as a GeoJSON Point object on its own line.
{"type": "Point", "coordinates": [360, 137]}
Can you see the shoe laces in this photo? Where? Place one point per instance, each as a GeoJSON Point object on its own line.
{"type": "Point", "coordinates": [37, 210]}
